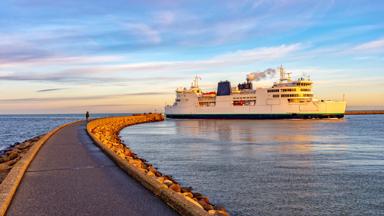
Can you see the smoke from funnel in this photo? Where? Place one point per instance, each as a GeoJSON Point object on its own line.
{"type": "Point", "coordinates": [256, 76]}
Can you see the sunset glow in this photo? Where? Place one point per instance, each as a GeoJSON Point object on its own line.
{"type": "Point", "coordinates": [69, 56]}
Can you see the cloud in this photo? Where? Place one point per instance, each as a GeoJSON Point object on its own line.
{"type": "Point", "coordinates": [24, 58]}
{"type": "Point", "coordinates": [165, 18]}
{"type": "Point", "coordinates": [371, 46]}
{"type": "Point", "coordinates": [262, 54]}
{"type": "Point", "coordinates": [50, 89]}
{"type": "Point", "coordinates": [21, 53]}
{"type": "Point", "coordinates": [83, 76]}
{"type": "Point", "coordinates": [142, 30]}
{"type": "Point", "coordinates": [94, 97]}
{"type": "Point", "coordinates": [92, 74]}
{"type": "Point", "coordinates": [223, 60]}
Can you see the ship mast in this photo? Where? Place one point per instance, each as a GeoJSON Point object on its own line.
{"type": "Point", "coordinates": [283, 75]}
{"type": "Point", "coordinates": [195, 83]}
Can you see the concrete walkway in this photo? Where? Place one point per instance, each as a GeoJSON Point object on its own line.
{"type": "Point", "coordinates": [71, 176]}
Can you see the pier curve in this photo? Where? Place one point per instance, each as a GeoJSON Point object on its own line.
{"type": "Point", "coordinates": [72, 176]}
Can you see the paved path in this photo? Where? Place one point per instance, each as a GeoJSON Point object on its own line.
{"type": "Point", "coordinates": [71, 176]}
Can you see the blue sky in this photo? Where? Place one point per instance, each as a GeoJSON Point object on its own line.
{"type": "Point", "coordinates": [127, 56]}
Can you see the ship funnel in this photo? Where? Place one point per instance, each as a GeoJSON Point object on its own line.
{"type": "Point", "coordinates": [256, 76]}
{"type": "Point", "coordinates": [223, 88]}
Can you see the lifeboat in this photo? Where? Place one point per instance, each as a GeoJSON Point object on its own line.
{"type": "Point", "coordinates": [209, 93]}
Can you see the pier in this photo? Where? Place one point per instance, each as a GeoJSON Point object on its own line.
{"type": "Point", "coordinates": [70, 175]}
{"type": "Point", "coordinates": [364, 112]}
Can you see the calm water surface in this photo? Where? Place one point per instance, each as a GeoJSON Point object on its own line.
{"type": "Point", "coordinates": [278, 167]}
{"type": "Point", "coordinates": [17, 128]}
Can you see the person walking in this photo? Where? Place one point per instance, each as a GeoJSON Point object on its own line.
{"type": "Point", "coordinates": [87, 115]}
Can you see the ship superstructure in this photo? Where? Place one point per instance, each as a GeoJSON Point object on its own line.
{"type": "Point", "coordinates": [286, 98]}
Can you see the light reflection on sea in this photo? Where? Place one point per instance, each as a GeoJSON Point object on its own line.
{"type": "Point", "coordinates": [273, 167]}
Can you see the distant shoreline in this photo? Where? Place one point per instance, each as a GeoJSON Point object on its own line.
{"type": "Point", "coordinates": [364, 112]}
{"type": "Point", "coordinates": [347, 112]}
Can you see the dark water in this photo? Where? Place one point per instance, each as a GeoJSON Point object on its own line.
{"type": "Point", "coordinates": [17, 128]}
{"type": "Point", "coordinates": [278, 167]}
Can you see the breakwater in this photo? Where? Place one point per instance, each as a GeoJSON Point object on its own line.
{"type": "Point", "coordinates": [364, 112]}
{"type": "Point", "coordinates": [105, 132]}
{"type": "Point", "coordinates": [11, 155]}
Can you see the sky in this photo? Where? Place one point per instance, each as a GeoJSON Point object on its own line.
{"type": "Point", "coordinates": [69, 56]}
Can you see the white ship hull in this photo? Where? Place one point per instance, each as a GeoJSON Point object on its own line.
{"type": "Point", "coordinates": [272, 109]}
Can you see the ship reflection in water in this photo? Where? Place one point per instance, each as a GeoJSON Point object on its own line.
{"type": "Point", "coordinates": [273, 167]}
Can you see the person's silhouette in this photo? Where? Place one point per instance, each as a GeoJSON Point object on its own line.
{"type": "Point", "coordinates": [87, 115]}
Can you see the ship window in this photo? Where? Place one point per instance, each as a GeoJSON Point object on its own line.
{"type": "Point", "coordinates": [288, 90]}
{"type": "Point", "coordinates": [289, 95]}
{"type": "Point", "coordinates": [272, 90]}
{"type": "Point", "coordinates": [244, 102]}
{"type": "Point", "coordinates": [276, 96]}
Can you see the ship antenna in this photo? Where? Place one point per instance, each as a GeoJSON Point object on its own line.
{"type": "Point", "coordinates": [196, 82]}
{"type": "Point", "coordinates": [282, 73]}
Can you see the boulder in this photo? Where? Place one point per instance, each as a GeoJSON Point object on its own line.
{"type": "Point", "coordinates": [206, 205]}
{"type": "Point", "coordinates": [24, 145]}
{"type": "Point", "coordinates": [12, 155]}
{"type": "Point", "coordinates": [194, 202]}
{"type": "Point", "coordinates": [4, 167]}
{"type": "Point", "coordinates": [12, 162]}
{"type": "Point", "coordinates": [168, 182]}
{"type": "Point", "coordinates": [160, 179]}
{"type": "Point", "coordinates": [188, 194]}
{"type": "Point", "coordinates": [3, 159]}
{"type": "Point", "coordinates": [149, 173]}
{"type": "Point", "coordinates": [128, 153]}
{"type": "Point", "coordinates": [198, 195]}
{"type": "Point", "coordinates": [186, 189]}
{"type": "Point", "coordinates": [175, 187]}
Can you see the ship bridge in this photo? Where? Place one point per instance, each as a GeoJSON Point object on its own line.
{"type": "Point", "coordinates": [295, 91]}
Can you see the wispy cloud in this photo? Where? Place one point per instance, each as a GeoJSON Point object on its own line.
{"type": "Point", "coordinates": [50, 89]}
{"type": "Point", "coordinates": [371, 46]}
{"type": "Point", "coordinates": [144, 32]}
{"type": "Point", "coordinates": [27, 59]}
{"type": "Point", "coordinates": [93, 97]}
{"type": "Point", "coordinates": [84, 76]}
{"type": "Point", "coordinates": [165, 18]}
{"type": "Point", "coordinates": [92, 74]}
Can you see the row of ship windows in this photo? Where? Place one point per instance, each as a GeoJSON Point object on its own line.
{"type": "Point", "coordinates": [253, 102]}
{"type": "Point", "coordinates": [295, 100]}
{"type": "Point", "coordinates": [178, 100]}
{"type": "Point", "coordinates": [286, 90]}
{"type": "Point", "coordinates": [243, 98]}
{"type": "Point", "coordinates": [304, 84]}
{"type": "Point", "coordinates": [289, 95]}
{"type": "Point", "coordinates": [272, 90]}
{"type": "Point", "coordinates": [292, 95]}
{"type": "Point", "coordinates": [244, 103]}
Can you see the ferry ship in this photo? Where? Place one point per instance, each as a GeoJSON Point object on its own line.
{"type": "Point", "coordinates": [285, 99]}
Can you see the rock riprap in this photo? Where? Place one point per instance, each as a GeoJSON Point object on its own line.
{"type": "Point", "coordinates": [10, 156]}
{"type": "Point", "coordinates": [106, 131]}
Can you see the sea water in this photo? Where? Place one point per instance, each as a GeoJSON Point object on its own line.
{"type": "Point", "coordinates": [272, 167]}
{"type": "Point", "coordinates": [17, 128]}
